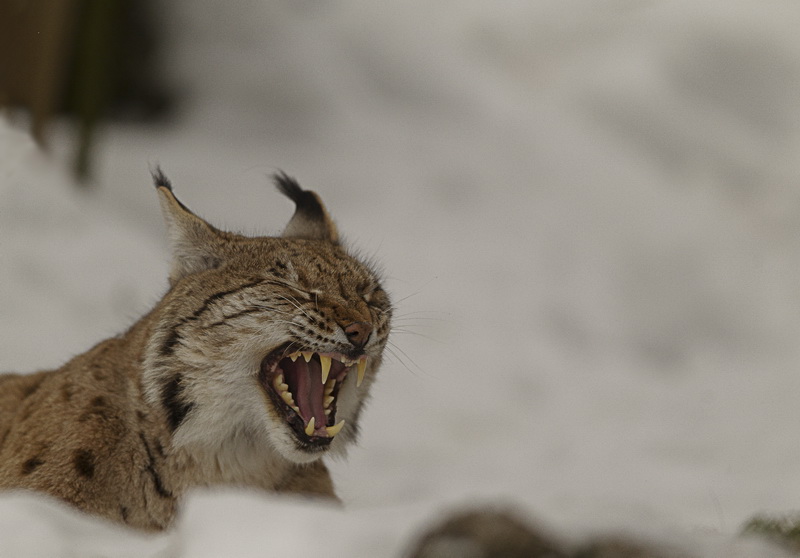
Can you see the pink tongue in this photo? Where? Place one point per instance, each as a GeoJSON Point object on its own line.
{"type": "Point", "coordinates": [309, 393]}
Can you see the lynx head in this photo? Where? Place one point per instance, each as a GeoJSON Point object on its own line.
{"type": "Point", "coordinates": [271, 341]}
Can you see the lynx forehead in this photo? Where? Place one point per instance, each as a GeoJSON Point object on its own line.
{"type": "Point", "coordinates": [255, 363]}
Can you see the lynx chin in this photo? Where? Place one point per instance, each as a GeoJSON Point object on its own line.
{"type": "Point", "coordinates": [254, 365]}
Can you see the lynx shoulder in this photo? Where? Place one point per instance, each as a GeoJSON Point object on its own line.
{"type": "Point", "coordinates": [254, 365]}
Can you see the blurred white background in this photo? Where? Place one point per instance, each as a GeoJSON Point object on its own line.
{"type": "Point", "coordinates": [588, 214]}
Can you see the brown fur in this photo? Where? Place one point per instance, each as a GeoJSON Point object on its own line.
{"type": "Point", "coordinates": [126, 428]}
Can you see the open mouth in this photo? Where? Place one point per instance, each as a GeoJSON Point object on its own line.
{"type": "Point", "coordinates": [304, 387]}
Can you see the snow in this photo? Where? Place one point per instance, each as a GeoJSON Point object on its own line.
{"type": "Point", "coordinates": [587, 213]}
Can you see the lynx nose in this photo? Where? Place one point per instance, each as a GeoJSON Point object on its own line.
{"type": "Point", "coordinates": [358, 333]}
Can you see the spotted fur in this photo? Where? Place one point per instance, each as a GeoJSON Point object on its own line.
{"type": "Point", "coordinates": [126, 428]}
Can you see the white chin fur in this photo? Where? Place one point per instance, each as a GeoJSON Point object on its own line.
{"type": "Point", "coordinates": [287, 445]}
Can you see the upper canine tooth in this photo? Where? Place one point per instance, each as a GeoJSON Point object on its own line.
{"type": "Point", "coordinates": [335, 429]}
{"type": "Point", "coordinates": [307, 355]}
{"type": "Point", "coordinates": [362, 369]}
{"type": "Point", "coordinates": [325, 364]}
{"type": "Point", "coordinates": [310, 427]}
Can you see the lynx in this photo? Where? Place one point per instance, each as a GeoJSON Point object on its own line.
{"type": "Point", "coordinates": [254, 365]}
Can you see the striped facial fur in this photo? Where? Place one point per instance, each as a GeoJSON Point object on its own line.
{"type": "Point", "coordinates": [273, 340]}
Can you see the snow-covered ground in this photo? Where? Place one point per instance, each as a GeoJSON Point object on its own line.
{"type": "Point", "coordinates": [589, 218]}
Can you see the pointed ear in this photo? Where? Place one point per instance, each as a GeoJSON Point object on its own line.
{"type": "Point", "coordinates": [310, 219]}
{"type": "Point", "coordinates": [196, 245]}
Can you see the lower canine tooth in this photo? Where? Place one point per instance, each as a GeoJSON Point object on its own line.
{"type": "Point", "coordinates": [310, 427]}
{"type": "Point", "coordinates": [335, 429]}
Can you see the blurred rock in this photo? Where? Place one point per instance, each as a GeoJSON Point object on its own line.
{"type": "Point", "coordinates": [623, 547]}
{"type": "Point", "coordinates": [784, 530]}
{"type": "Point", "coordinates": [486, 534]}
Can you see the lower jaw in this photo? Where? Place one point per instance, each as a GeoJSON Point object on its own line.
{"type": "Point", "coordinates": [301, 452]}
{"type": "Point", "coordinates": [310, 443]}
{"type": "Point", "coordinates": [296, 425]}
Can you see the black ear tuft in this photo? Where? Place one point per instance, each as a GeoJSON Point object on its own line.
{"type": "Point", "coordinates": [160, 179]}
{"type": "Point", "coordinates": [304, 200]}
{"type": "Point", "coordinates": [287, 185]}
{"type": "Point", "coordinates": [310, 219]}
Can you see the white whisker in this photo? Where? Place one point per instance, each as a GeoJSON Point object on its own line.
{"type": "Point", "coordinates": [393, 349]}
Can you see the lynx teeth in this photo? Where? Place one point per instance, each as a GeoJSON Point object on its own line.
{"type": "Point", "coordinates": [325, 361]}
{"type": "Point", "coordinates": [325, 365]}
{"type": "Point", "coordinates": [362, 369]}
{"type": "Point", "coordinates": [330, 430]}
{"type": "Point", "coordinates": [310, 427]}
{"type": "Point", "coordinates": [287, 398]}
{"type": "Point", "coordinates": [280, 385]}
{"type": "Point", "coordinates": [335, 429]}
{"type": "Point", "coordinates": [283, 390]}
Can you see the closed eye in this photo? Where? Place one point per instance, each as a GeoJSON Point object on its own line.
{"type": "Point", "coordinates": [309, 294]}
